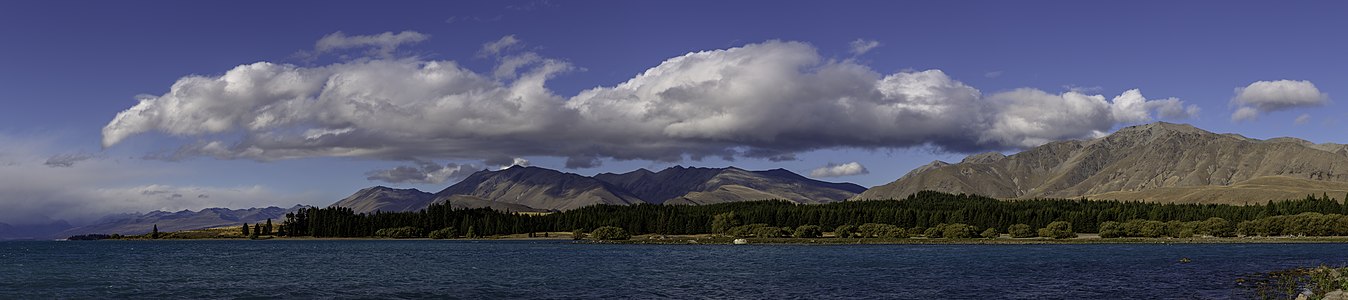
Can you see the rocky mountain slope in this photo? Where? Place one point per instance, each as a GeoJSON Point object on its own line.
{"type": "Point", "coordinates": [1155, 162]}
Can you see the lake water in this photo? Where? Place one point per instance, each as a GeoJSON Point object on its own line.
{"type": "Point", "coordinates": [560, 269]}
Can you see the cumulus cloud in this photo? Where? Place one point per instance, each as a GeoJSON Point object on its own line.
{"type": "Point", "coordinates": [1303, 119]}
{"type": "Point", "coordinates": [423, 172]}
{"type": "Point", "coordinates": [1269, 96]}
{"type": "Point", "coordinates": [767, 100]}
{"type": "Point", "coordinates": [837, 170]}
{"type": "Point", "coordinates": [861, 46]}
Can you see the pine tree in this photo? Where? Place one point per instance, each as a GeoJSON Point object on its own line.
{"type": "Point", "coordinates": [245, 229]}
{"type": "Point", "coordinates": [266, 230]}
{"type": "Point", "coordinates": [154, 233]}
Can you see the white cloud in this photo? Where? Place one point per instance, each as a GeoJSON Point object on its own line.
{"type": "Point", "coordinates": [837, 170]}
{"type": "Point", "coordinates": [1303, 119]}
{"type": "Point", "coordinates": [518, 161]}
{"type": "Point", "coordinates": [1269, 96]}
{"type": "Point", "coordinates": [861, 46]}
{"type": "Point", "coordinates": [498, 46]}
{"type": "Point", "coordinates": [766, 100]}
{"type": "Point", "coordinates": [382, 44]}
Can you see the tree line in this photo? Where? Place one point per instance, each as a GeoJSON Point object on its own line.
{"type": "Point", "coordinates": [923, 210]}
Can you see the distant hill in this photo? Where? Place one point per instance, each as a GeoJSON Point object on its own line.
{"type": "Point", "coordinates": [129, 224]}
{"type": "Point", "coordinates": [1161, 162]}
{"type": "Point", "coordinates": [538, 189]}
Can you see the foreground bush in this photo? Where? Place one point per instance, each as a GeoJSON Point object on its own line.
{"type": "Point", "coordinates": [1020, 231]}
{"type": "Point", "coordinates": [444, 233]}
{"type": "Point", "coordinates": [845, 231]}
{"type": "Point", "coordinates": [1058, 230]}
{"type": "Point", "coordinates": [610, 233]}
{"type": "Point", "coordinates": [405, 232]}
{"type": "Point", "coordinates": [808, 231]}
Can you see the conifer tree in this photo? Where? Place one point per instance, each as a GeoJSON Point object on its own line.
{"type": "Point", "coordinates": [154, 232]}
{"type": "Point", "coordinates": [245, 229]}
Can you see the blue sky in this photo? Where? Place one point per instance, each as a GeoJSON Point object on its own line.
{"type": "Point", "coordinates": [66, 71]}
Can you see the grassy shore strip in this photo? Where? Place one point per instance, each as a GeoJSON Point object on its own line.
{"type": "Point", "coordinates": [706, 240]}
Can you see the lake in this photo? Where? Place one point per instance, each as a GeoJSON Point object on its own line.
{"type": "Point", "coordinates": [560, 269]}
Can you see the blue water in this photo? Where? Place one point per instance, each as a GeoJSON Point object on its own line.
{"type": "Point", "coordinates": [557, 269]}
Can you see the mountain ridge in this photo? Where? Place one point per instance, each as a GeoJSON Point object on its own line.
{"type": "Point", "coordinates": [1133, 159]}
{"type": "Point", "coordinates": [521, 188]}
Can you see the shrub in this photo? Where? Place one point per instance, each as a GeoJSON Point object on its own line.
{"type": "Point", "coordinates": [578, 234]}
{"type": "Point", "coordinates": [958, 231]}
{"type": "Point", "coordinates": [1020, 231]}
{"type": "Point", "coordinates": [610, 233]}
{"type": "Point", "coordinates": [1111, 229]}
{"type": "Point", "coordinates": [991, 233]}
{"type": "Point", "coordinates": [895, 232]}
{"type": "Point", "coordinates": [398, 232]}
{"type": "Point", "coordinates": [1058, 230]}
{"type": "Point", "coordinates": [722, 223]}
{"type": "Point", "coordinates": [808, 231]}
{"type": "Point", "coordinates": [845, 231]}
{"type": "Point", "coordinates": [746, 230]}
{"type": "Point", "coordinates": [870, 230]}
{"type": "Point", "coordinates": [935, 232]}
{"type": "Point", "coordinates": [444, 233]}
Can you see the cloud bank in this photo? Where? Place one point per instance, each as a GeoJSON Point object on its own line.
{"type": "Point", "coordinates": [1263, 97]}
{"type": "Point", "coordinates": [837, 170]}
{"type": "Point", "coordinates": [765, 100]}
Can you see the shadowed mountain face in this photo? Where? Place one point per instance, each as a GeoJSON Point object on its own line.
{"type": "Point", "coordinates": [1156, 162]}
{"type": "Point", "coordinates": [680, 185]}
{"type": "Point", "coordinates": [526, 189]}
{"type": "Point", "coordinates": [129, 224]}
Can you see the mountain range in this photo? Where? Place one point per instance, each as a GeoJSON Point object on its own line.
{"type": "Point", "coordinates": [1159, 162]}
{"type": "Point", "coordinates": [523, 189]}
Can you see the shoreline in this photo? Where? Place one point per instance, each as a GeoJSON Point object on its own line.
{"type": "Point", "coordinates": [714, 240]}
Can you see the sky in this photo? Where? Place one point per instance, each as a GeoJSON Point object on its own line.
{"type": "Point", "coordinates": [156, 105]}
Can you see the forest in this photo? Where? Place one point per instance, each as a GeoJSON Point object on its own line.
{"type": "Point", "coordinates": [917, 211]}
